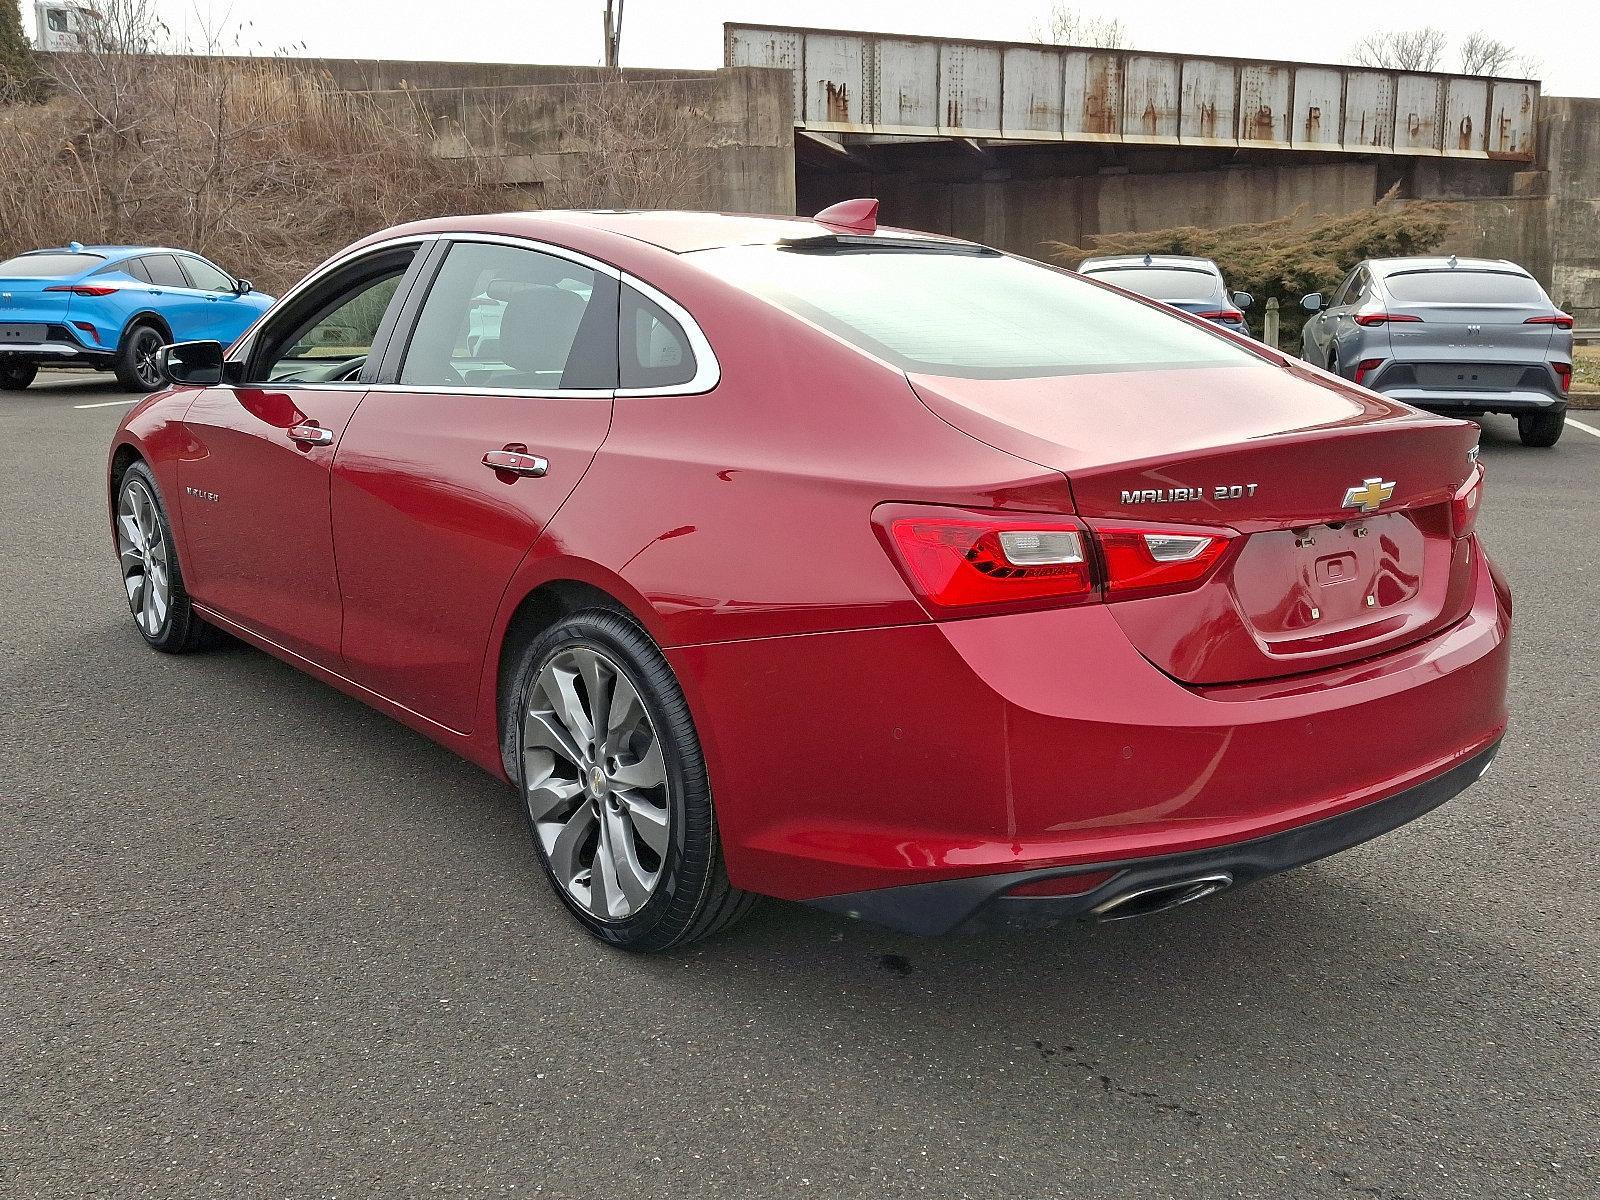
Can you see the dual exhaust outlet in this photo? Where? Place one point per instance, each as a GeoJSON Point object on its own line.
{"type": "Point", "coordinates": [1160, 897]}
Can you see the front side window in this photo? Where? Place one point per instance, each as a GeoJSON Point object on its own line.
{"type": "Point", "coordinates": [327, 333]}
{"type": "Point", "coordinates": [47, 266]}
{"type": "Point", "coordinates": [502, 316]}
{"type": "Point", "coordinates": [970, 313]}
{"type": "Point", "coordinates": [206, 277]}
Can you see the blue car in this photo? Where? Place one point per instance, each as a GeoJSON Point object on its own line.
{"type": "Point", "coordinates": [111, 308]}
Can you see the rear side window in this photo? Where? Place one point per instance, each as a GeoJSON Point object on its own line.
{"type": "Point", "coordinates": [504, 317]}
{"type": "Point", "coordinates": [48, 266]}
{"type": "Point", "coordinates": [1164, 283]}
{"type": "Point", "coordinates": [654, 351]}
{"type": "Point", "coordinates": [977, 315]}
{"type": "Point", "coordinates": [164, 271]}
{"type": "Point", "coordinates": [1465, 287]}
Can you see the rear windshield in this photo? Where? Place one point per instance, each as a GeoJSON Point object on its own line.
{"type": "Point", "coordinates": [972, 315]}
{"type": "Point", "coordinates": [1162, 283]}
{"type": "Point", "coordinates": [1465, 287]}
{"type": "Point", "coordinates": [48, 266]}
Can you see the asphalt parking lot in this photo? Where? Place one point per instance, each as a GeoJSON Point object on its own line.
{"type": "Point", "coordinates": [259, 940]}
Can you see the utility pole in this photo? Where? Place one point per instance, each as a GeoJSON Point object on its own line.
{"type": "Point", "coordinates": [613, 32]}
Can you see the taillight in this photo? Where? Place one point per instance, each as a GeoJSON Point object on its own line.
{"type": "Point", "coordinates": [1366, 367]}
{"type": "Point", "coordinates": [1144, 559]}
{"type": "Point", "coordinates": [1564, 374]}
{"type": "Point", "coordinates": [82, 289]}
{"type": "Point", "coordinates": [1559, 320]}
{"type": "Point", "coordinates": [1370, 319]}
{"type": "Point", "coordinates": [1464, 504]}
{"type": "Point", "coordinates": [968, 562]}
{"type": "Point", "coordinates": [1222, 314]}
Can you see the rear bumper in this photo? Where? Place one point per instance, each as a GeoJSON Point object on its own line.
{"type": "Point", "coordinates": [1459, 402]}
{"type": "Point", "coordinates": [52, 353]}
{"type": "Point", "coordinates": [938, 908]}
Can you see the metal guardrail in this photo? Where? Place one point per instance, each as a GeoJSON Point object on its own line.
{"type": "Point", "coordinates": [896, 84]}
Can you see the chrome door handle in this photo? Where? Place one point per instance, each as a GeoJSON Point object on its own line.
{"type": "Point", "coordinates": [311, 435]}
{"type": "Point", "coordinates": [516, 462]}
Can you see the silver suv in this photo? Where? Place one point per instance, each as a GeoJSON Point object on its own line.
{"type": "Point", "coordinates": [1456, 335]}
{"type": "Point", "coordinates": [1192, 284]}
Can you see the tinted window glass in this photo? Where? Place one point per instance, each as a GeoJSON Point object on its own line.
{"type": "Point", "coordinates": [48, 266]}
{"type": "Point", "coordinates": [1466, 287]}
{"type": "Point", "coordinates": [1164, 283]}
{"type": "Point", "coordinates": [163, 270]}
{"type": "Point", "coordinates": [977, 315]}
{"type": "Point", "coordinates": [326, 335]}
{"type": "Point", "coordinates": [654, 351]}
{"type": "Point", "coordinates": [204, 276]}
{"type": "Point", "coordinates": [503, 317]}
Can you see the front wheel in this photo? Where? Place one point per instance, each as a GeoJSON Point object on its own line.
{"type": "Point", "coordinates": [15, 376]}
{"type": "Point", "coordinates": [135, 365]}
{"type": "Point", "coordinates": [150, 572]}
{"type": "Point", "coordinates": [614, 786]}
{"type": "Point", "coordinates": [1540, 429]}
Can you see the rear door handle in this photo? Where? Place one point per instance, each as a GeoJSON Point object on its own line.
{"type": "Point", "coordinates": [311, 435]}
{"type": "Point", "coordinates": [516, 462]}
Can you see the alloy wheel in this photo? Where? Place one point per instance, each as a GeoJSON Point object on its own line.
{"type": "Point", "coordinates": [596, 783]}
{"type": "Point", "coordinates": [146, 347]}
{"type": "Point", "coordinates": [142, 548]}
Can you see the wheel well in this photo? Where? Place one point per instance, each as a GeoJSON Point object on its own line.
{"type": "Point", "coordinates": [540, 609]}
{"type": "Point", "coordinates": [147, 318]}
{"type": "Point", "coordinates": [123, 458]}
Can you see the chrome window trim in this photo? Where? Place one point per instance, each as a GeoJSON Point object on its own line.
{"type": "Point", "coordinates": [708, 371]}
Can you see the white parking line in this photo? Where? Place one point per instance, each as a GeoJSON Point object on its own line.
{"type": "Point", "coordinates": [1590, 429]}
{"type": "Point", "coordinates": [110, 403]}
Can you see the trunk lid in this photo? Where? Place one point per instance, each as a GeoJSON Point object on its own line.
{"type": "Point", "coordinates": [26, 308]}
{"type": "Point", "coordinates": [1271, 453]}
{"type": "Point", "coordinates": [1471, 333]}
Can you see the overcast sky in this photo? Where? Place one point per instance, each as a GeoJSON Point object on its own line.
{"type": "Point", "coordinates": [1565, 37]}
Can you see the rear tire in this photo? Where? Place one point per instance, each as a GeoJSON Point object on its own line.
{"type": "Point", "coordinates": [622, 820]}
{"type": "Point", "coordinates": [1540, 429]}
{"type": "Point", "coordinates": [135, 361]}
{"type": "Point", "coordinates": [14, 377]}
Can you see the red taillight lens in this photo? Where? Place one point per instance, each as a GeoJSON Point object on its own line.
{"type": "Point", "coordinates": [1366, 367]}
{"type": "Point", "coordinates": [82, 289]}
{"type": "Point", "coordinates": [1370, 319]}
{"type": "Point", "coordinates": [1145, 559]}
{"type": "Point", "coordinates": [1564, 374]}
{"type": "Point", "coordinates": [971, 562]}
{"type": "Point", "coordinates": [967, 562]}
{"type": "Point", "coordinates": [1559, 320]}
{"type": "Point", "coordinates": [1222, 314]}
{"type": "Point", "coordinates": [1464, 504]}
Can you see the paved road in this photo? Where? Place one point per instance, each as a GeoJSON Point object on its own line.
{"type": "Point", "coordinates": [258, 940]}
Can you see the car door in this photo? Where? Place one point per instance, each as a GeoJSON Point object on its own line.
{"type": "Point", "coordinates": [477, 431]}
{"type": "Point", "coordinates": [1341, 330]}
{"type": "Point", "coordinates": [1318, 328]}
{"type": "Point", "coordinates": [181, 305]}
{"type": "Point", "coordinates": [225, 314]}
{"type": "Point", "coordinates": [255, 476]}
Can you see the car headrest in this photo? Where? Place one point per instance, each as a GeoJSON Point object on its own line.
{"type": "Point", "coordinates": [538, 327]}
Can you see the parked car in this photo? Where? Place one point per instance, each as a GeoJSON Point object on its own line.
{"type": "Point", "coordinates": [868, 568]}
{"type": "Point", "coordinates": [1457, 335]}
{"type": "Point", "coordinates": [110, 308]}
{"type": "Point", "coordinates": [1192, 284]}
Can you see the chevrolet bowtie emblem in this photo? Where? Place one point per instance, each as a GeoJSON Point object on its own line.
{"type": "Point", "coordinates": [1369, 495]}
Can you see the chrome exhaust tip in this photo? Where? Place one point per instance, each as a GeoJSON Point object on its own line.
{"type": "Point", "coordinates": [1160, 897]}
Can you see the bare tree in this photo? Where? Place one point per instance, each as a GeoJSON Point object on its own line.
{"type": "Point", "coordinates": [1402, 49]}
{"type": "Point", "coordinates": [633, 144]}
{"type": "Point", "coordinates": [1482, 54]}
{"type": "Point", "coordinates": [1064, 25]}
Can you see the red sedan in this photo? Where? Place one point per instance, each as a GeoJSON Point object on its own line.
{"type": "Point", "coordinates": [807, 559]}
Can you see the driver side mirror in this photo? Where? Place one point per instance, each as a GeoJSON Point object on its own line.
{"type": "Point", "coordinates": [1312, 303]}
{"type": "Point", "coordinates": [243, 288]}
{"type": "Point", "coordinates": [196, 363]}
{"type": "Point", "coordinates": [1243, 300]}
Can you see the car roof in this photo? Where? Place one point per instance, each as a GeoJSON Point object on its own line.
{"type": "Point", "coordinates": [110, 251]}
{"type": "Point", "coordinates": [1396, 266]}
{"type": "Point", "coordinates": [1176, 262]}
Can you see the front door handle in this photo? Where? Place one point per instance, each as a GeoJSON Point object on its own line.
{"type": "Point", "coordinates": [516, 462]}
{"type": "Point", "coordinates": [311, 435]}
